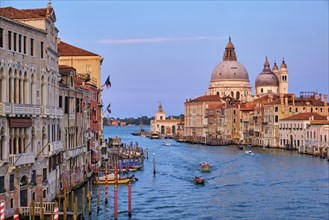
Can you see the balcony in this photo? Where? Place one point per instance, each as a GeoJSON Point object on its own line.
{"type": "Point", "coordinates": [13, 109]}
{"type": "Point", "coordinates": [74, 152]}
{"type": "Point", "coordinates": [51, 111]}
{"type": "Point", "coordinates": [22, 159]}
{"type": "Point", "coordinates": [55, 147]}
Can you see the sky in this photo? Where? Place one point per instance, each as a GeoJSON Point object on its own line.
{"type": "Point", "coordinates": [166, 50]}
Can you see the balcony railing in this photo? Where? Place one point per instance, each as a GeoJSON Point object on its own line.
{"type": "Point", "coordinates": [75, 152]}
{"type": "Point", "coordinates": [22, 159]}
{"type": "Point", "coordinates": [14, 109]}
{"type": "Point", "coordinates": [55, 147]}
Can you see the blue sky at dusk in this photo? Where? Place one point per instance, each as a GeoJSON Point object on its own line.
{"type": "Point", "coordinates": [166, 50]}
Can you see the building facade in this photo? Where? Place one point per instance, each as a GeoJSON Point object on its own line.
{"type": "Point", "coordinates": [163, 126]}
{"type": "Point", "coordinates": [30, 118]}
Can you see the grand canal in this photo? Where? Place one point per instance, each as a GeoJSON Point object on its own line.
{"type": "Point", "coordinates": [272, 184]}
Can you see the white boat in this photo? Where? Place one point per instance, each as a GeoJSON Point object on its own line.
{"type": "Point", "coordinates": [249, 152]}
{"type": "Point", "coordinates": [166, 143]}
{"type": "Point", "coordinates": [110, 176]}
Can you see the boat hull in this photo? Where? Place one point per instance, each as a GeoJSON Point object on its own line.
{"type": "Point", "coordinates": [113, 182]}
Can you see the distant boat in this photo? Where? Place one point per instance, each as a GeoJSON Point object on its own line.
{"type": "Point", "coordinates": [154, 136]}
{"type": "Point", "coordinates": [249, 152]}
{"type": "Point", "coordinates": [240, 147]}
{"type": "Point", "coordinates": [198, 180]}
{"type": "Point", "coordinates": [166, 143]}
{"type": "Point", "coordinates": [205, 167]}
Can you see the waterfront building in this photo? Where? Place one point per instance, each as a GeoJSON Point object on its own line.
{"type": "Point", "coordinates": [288, 105]}
{"type": "Point", "coordinates": [247, 122]}
{"type": "Point", "coordinates": [74, 100]}
{"type": "Point", "coordinates": [196, 124]}
{"type": "Point", "coordinates": [31, 146]}
{"type": "Point", "coordinates": [163, 126]}
{"type": "Point", "coordinates": [88, 67]}
{"type": "Point", "coordinates": [230, 77]}
{"type": "Point", "coordinates": [318, 143]}
{"type": "Point", "coordinates": [306, 132]}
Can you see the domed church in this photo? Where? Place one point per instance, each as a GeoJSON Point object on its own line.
{"type": "Point", "coordinates": [230, 77]}
{"type": "Point", "coordinates": [274, 81]}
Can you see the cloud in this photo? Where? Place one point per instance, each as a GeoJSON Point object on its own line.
{"type": "Point", "coordinates": [155, 40]}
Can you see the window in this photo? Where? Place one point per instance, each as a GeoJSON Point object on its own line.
{"type": "Point", "coordinates": [1, 37]}
{"type": "Point", "coordinates": [12, 182]}
{"type": "Point", "coordinates": [44, 174]}
{"type": "Point", "coordinates": [20, 43]}
{"type": "Point", "coordinates": [31, 46]}
{"type": "Point", "coordinates": [34, 177]}
{"type": "Point", "coordinates": [77, 104]}
{"type": "Point", "coordinates": [60, 101]}
{"type": "Point", "coordinates": [66, 110]}
{"type": "Point", "coordinates": [276, 109]}
{"type": "Point", "coordinates": [15, 41]}
{"type": "Point", "coordinates": [2, 184]}
{"type": "Point", "coordinates": [9, 40]}
{"type": "Point", "coordinates": [24, 44]}
{"type": "Point", "coordinates": [296, 109]}
{"type": "Point", "coordinates": [261, 90]}
{"type": "Point", "coordinates": [12, 203]}
{"type": "Point", "coordinates": [276, 118]}
{"type": "Point", "coordinates": [44, 194]}
{"type": "Point", "coordinates": [41, 48]}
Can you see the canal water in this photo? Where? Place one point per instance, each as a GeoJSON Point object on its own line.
{"type": "Point", "coordinates": [271, 184]}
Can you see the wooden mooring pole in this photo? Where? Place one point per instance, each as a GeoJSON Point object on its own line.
{"type": "Point", "coordinates": [129, 200]}
{"type": "Point", "coordinates": [154, 170]}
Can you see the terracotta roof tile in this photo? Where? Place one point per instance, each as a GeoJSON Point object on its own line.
{"type": "Point", "coordinates": [206, 98]}
{"type": "Point", "coordinates": [13, 13]}
{"type": "Point", "coordinates": [305, 116]}
{"type": "Point", "coordinates": [247, 108]}
{"type": "Point", "coordinates": [319, 122]}
{"type": "Point", "coordinates": [65, 49]}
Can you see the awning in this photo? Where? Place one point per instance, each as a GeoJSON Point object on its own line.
{"type": "Point", "coordinates": [20, 122]}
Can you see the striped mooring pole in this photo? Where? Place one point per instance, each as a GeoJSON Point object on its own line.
{"type": "Point", "coordinates": [2, 210]}
{"type": "Point", "coordinates": [56, 213]}
{"type": "Point", "coordinates": [16, 217]}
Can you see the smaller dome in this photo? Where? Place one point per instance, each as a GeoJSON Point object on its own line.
{"type": "Point", "coordinates": [283, 65]}
{"type": "Point", "coordinates": [267, 77]}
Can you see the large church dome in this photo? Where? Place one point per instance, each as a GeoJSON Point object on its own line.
{"type": "Point", "coordinates": [230, 68]}
{"type": "Point", "coordinates": [230, 77]}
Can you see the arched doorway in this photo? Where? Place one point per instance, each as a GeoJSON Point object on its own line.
{"type": "Point", "coordinates": [162, 129]}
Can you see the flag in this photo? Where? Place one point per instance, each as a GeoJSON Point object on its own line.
{"type": "Point", "coordinates": [108, 108]}
{"type": "Point", "coordinates": [108, 82]}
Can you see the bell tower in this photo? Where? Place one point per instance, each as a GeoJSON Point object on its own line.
{"type": "Point", "coordinates": [283, 78]}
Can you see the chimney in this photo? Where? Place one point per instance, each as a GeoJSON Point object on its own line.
{"type": "Point", "coordinates": [58, 40]}
{"type": "Point", "coordinates": [286, 101]}
{"type": "Point", "coordinates": [293, 99]}
{"type": "Point", "coordinates": [316, 96]}
{"type": "Point", "coordinates": [325, 96]}
{"type": "Point", "coordinates": [320, 96]}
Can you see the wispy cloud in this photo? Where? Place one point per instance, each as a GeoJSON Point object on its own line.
{"type": "Point", "coordinates": [156, 40]}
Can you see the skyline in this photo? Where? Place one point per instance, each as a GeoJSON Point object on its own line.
{"type": "Point", "coordinates": [169, 49]}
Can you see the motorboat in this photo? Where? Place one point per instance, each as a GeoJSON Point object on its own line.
{"type": "Point", "coordinates": [198, 180]}
{"type": "Point", "coordinates": [205, 167]}
{"type": "Point", "coordinates": [166, 143]}
{"type": "Point", "coordinates": [249, 152]}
